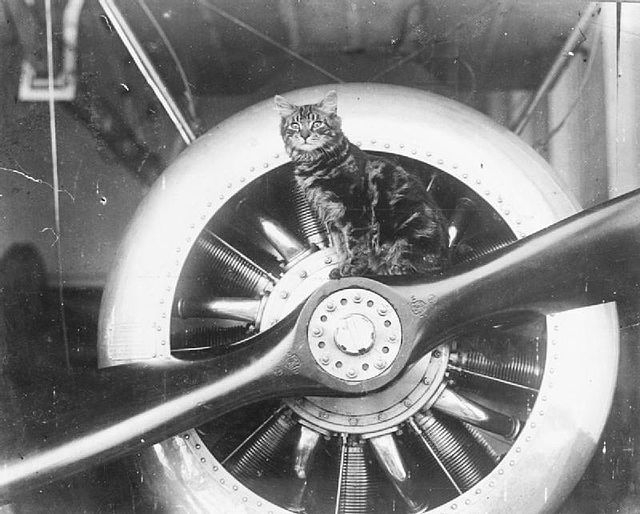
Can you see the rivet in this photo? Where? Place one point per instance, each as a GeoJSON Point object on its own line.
{"type": "Point", "coordinates": [352, 373]}
{"type": "Point", "coordinates": [518, 449]}
{"type": "Point", "coordinates": [197, 446]}
{"type": "Point", "coordinates": [324, 415]}
{"type": "Point", "coordinates": [303, 274]}
{"type": "Point", "coordinates": [244, 498]}
{"type": "Point", "coordinates": [528, 438]}
{"type": "Point", "coordinates": [455, 166]}
{"type": "Point", "coordinates": [252, 169]}
{"type": "Point", "coordinates": [507, 212]}
{"type": "Point", "coordinates": [426, 381]}
{"type": "Point", "coordinates": [465, 175]}
{"type": "Point", "coordinates": [467, 502]}
{"type": "Point", "coordinates": [454, 507]}
{"type": "Point", "coordinates": [163, 342]}
{"type": "Point", "coordinates": [215, 468]}
{"type": "Point", "coordinates": [407, 403]}
{"type": "Point", "coordinates": [501, 472]}
{"type": "Point", "coordinates": [492, 484]}
{"type": "Point", "coordinates": [358, 143]}
{"type": "Point", "coordinates": [381, 416]}
{"type": "Point", "coordinates": [276, 156]}
{"type": "Point", "coordinates": [512, 462]}
{"type": "Point", "coordinates": [401, 145]}
{"type": "Point", "coordinates": [533, 425]}
{"type": "Point", "coordinates": [353, 421]}
{"type": "Point", "coordinates": [440, 161]}
{"type": "Point", "coordinates": [328, 260]}
{"type": "Point", "coordinates": [284, 295]}
{"type": "Point", "coordinates": [373, 141]}
{"type": "Point", "coordinates": [202, 459]}
{"type": "Point", "coordinates": [222, 480]}
{"type": "Point", "coordinates": [478, 181]}
{"type": "Point", "coordinates": [436, 354]}
{"type": "Point", "coordinates": [414, 151]}
{"type": "Point", "coordinates": [331, 307]}
{"type": "Point", "coordinates": [209, 204]}
{"type": "Point", "coordinates": [386, 145]}
{"type": "Point", "coordinates": [541, 413]}
{"type": "Point", "coordinates": [487, 193]}
{"type": "Point", "coordinates": [242, 179]}
{"type": "Point", "coordinates": [186, 436]}
{"type": "Point", "coordinates": [235, 487]}
{"type": "Point", "coordinates": [229, 184]}
{"type": "Point", "coordinates": [478, 491]}
{"type": "Point", "coordinates": [392, 338]}
{"type": "Point", "coordinates": [265, 165]}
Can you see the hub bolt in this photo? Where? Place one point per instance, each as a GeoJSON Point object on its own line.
{"type": "Point", "coordinates": [303, 274]}
{"type": "Point", "coordinates": [436, 354]}
{"type": "Point", "coordinates": [317, 331]}
{"type": "Point", "coordinates": [328, 260]}
{"type": "Point", "coordinates": [352, 373]}
{"type": "Point", "coordinates": [357, 298]}
{"type": "Point", "coordinates": [392, 338]}
{"type": "Point", "coordinates": [325, 359]}
{"type": "Point", "coordinates": [380, 364]}
{"type": "Point", "coordinates": [331, 307]}
{"type": "Point", "coordinates": [284, 295]}
{"type": "Point", "coordinates": [382, 310]}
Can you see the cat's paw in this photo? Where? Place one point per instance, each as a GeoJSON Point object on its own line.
{"type": "Point", "coordinates": [334, 274]}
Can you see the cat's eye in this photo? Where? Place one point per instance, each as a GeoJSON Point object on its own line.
{"type": "Point", "coordinates": [317, 124]}
{"type": "Point", "coordinates": [295, 126]}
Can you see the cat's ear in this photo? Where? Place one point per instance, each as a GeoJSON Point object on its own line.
{"type": "Point", "coordinates": [329, 103]}
{"type": "Point", "coordinates": [283, 106]}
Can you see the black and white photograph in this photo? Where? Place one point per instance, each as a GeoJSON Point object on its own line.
{"type": "Point", "coordinates": [319, 256]}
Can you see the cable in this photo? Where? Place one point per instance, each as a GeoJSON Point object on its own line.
{"type": "Point", "coordinates": [269, 40]}
{"type": "Point", "coordinates": [541, 143]}
{"type": "Point", "coordinates": [56, 182]}
{"type": "Point", "coordinates": [183, 76]}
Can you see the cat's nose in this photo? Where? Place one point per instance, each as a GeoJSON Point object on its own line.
{"type": "Point", "coordinates": [304, 134]}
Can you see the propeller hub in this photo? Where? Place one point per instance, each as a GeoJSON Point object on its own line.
{"type": "Point", "coordinates": [354, 334]}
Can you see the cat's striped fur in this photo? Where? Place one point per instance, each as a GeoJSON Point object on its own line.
{"type": "Point", "coordinates": [381, 218]}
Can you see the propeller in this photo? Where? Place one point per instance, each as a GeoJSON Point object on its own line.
{"type": "Point", "coordinates": [72, 421]}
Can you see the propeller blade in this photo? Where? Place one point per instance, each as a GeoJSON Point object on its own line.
{"type": "Point", "coordinates": [589, 258]}
{"type": "Point", "coordinates": [67, 423]}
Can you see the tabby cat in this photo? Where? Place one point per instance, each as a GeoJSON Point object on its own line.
{"type": "Point", "coordinates": [381, 219]}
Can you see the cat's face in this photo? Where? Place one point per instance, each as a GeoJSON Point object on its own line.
{"type": "Point", "coordinates": [310, 127]}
